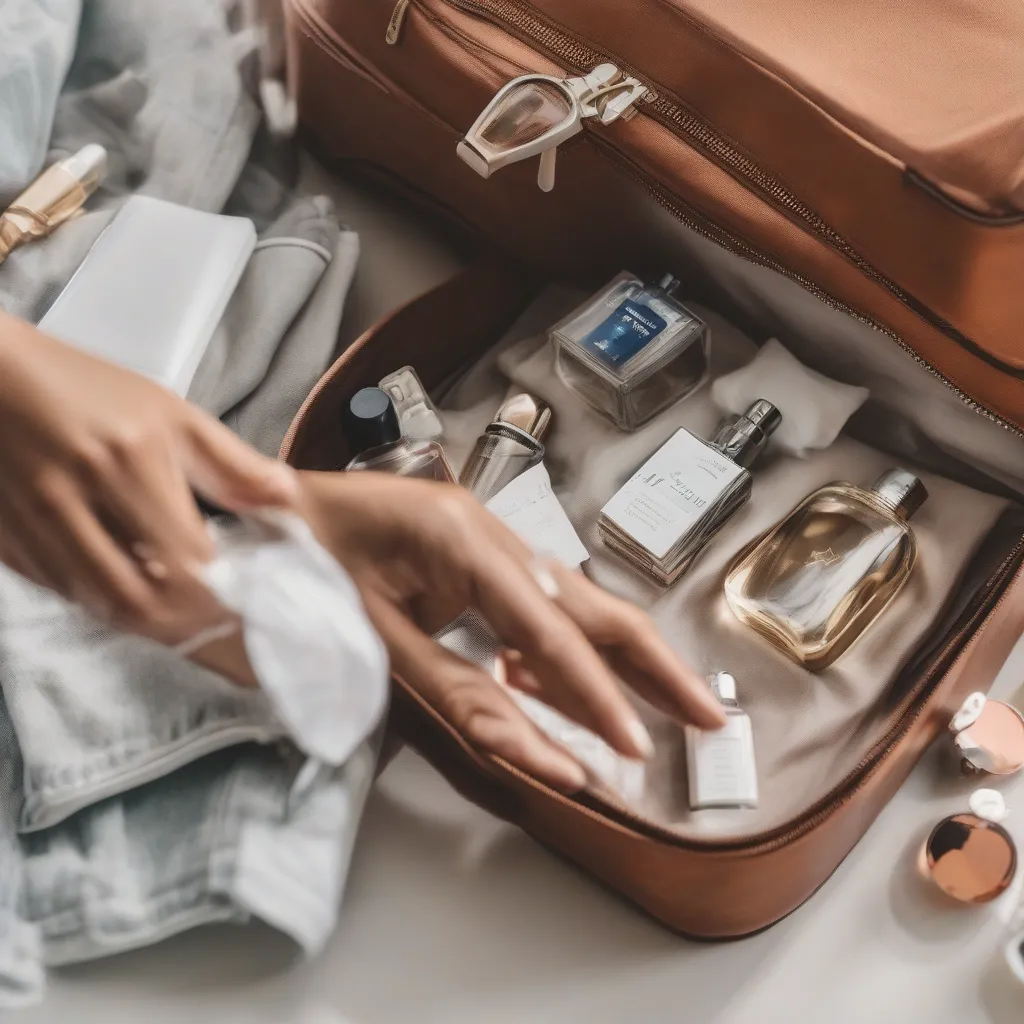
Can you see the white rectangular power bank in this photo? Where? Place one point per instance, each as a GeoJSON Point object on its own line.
{"type": "Point", "coordinates": [153, 288]}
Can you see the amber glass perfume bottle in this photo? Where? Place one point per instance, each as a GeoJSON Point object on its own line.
{"type": "Point", "coordinates": [372, 429]}
{"type": "Point", "coordinates": [815, 582]}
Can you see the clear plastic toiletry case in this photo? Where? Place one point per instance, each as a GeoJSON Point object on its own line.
{"type": "Point", "coordinates": [632, 350]}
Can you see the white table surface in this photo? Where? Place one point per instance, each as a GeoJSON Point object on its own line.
{"type": "Point", "coordinates": [454, 918]}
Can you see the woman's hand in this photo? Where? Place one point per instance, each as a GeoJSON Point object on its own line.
{"type": "Point", "coordinates": [97, 470]}
{"type": "Point", "coordinates": [421, 553]}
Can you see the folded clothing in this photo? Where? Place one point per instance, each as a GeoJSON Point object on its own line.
{"type": "Point", "coordinates": [151, 795]}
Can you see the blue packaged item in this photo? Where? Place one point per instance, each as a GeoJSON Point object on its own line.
{"type": "Point", "coordinates": [632, 327]}
{"type": "Point", "coordinates": [632, 350]}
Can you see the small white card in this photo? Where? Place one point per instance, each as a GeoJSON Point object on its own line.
{"type": "Point", "coordinates": [670, 492]}
{"type": "Point", "coordinates": [529, 506]}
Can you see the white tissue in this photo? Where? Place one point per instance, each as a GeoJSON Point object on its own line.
{"type": "Point", "coordinates": [814, 408]}
{"type": "Point", "coordinates": [309, 641]}
{"type": "Point", "coordinates": [471, 638]}
{"type": "Point", "coordinates": [605, 767]}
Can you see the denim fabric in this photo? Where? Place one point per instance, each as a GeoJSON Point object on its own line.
{"type": "Point", "coordinates": [140, 795]}
{"type": "Point", "coordinates": [21, 974]}
{"type": "Point", "coordinates": [112, 878]}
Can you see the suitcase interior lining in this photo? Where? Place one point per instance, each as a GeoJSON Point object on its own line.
{"type": "Point", "coordinates": [811, 729]}
{"type": "Point", "coordinates": [913, 416]}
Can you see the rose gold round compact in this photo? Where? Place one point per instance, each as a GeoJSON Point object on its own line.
{"type": "Point", "coordinates": [970, 856]}
{"type": "Point", "coordinates": [990, 735]}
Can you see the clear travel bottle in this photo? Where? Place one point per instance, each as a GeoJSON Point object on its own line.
{"type": "Point", "coordinates": [818, 579]}
{"type": "Point", "coordinates": [663, 516]}
{"type": "Point", "coordinates": [372, 430]}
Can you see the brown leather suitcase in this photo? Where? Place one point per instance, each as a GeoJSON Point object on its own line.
{"type": "Point", "coordinates": [872, 151]}
{"type": "Point", "coordinates": [838, 174]}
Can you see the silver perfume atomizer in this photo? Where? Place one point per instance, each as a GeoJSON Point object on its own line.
{"type": "Point", "coordinates": [742, 438]}
{"type": "Point", "coordinates": [511, 444]}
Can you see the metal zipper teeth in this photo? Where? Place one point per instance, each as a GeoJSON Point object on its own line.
{"type": "Point", "coordinates": [751, 174]}
{"type": "Point", "coordinates": [583, 58]}
{"type": "Point", "coordinates": [394, 31]}
{"type": "Point", "coordinates": [534, 29]}
{"type": "Point", "coordinates": [778, 837]}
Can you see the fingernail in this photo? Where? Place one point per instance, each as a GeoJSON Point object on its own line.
{"type": "Point", "coordinates": [641, 739]}
{"type": "Point", "coordinates": [573, 777]}
{"type": "Point", "coordinates": [545, 579]}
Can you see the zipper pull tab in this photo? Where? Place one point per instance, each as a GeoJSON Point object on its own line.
{"type": "Point", "coordinates": [546, 171]}
{"type": "Point", "coordinates": [607, 93]}
{"type": "Point", "coordinates": [534, 114]}
{"type": "Point", "coordinates": [394, 31]}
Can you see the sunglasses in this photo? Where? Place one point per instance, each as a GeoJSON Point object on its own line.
{"type": "Point", "coordinates": [970, 856]}
{"type": "Point", "coordinates": [534, 114]}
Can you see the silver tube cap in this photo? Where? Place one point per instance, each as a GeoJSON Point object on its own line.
{"type": "Point", "coordinates": [901, 491]}
{"type": "Point", "coordinates": [743, 438]}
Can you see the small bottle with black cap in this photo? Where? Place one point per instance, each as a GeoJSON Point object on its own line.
{"type": "Point", "coordinates": [373, 433]}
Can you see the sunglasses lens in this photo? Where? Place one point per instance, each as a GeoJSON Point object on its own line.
{"type": "Point", "coordinates": [969, 858]}
{"type": "Point", "coordinates": [996, 739]}
{"type": "Point", "coordinates": [523, 115]}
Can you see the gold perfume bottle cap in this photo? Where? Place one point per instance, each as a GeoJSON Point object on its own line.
{"type": "Point", "coordinates": [901, 491]}
{"type": "Point", "coordinates": [527, 413]}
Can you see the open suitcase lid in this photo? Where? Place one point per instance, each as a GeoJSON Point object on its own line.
{"type": "Point", "coordinates": [940, 87]}
{"type": "Point", "coordinates": [937, 88]}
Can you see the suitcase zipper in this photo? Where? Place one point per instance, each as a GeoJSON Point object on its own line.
{"type": "Point", "coordinates": [561, 47]}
